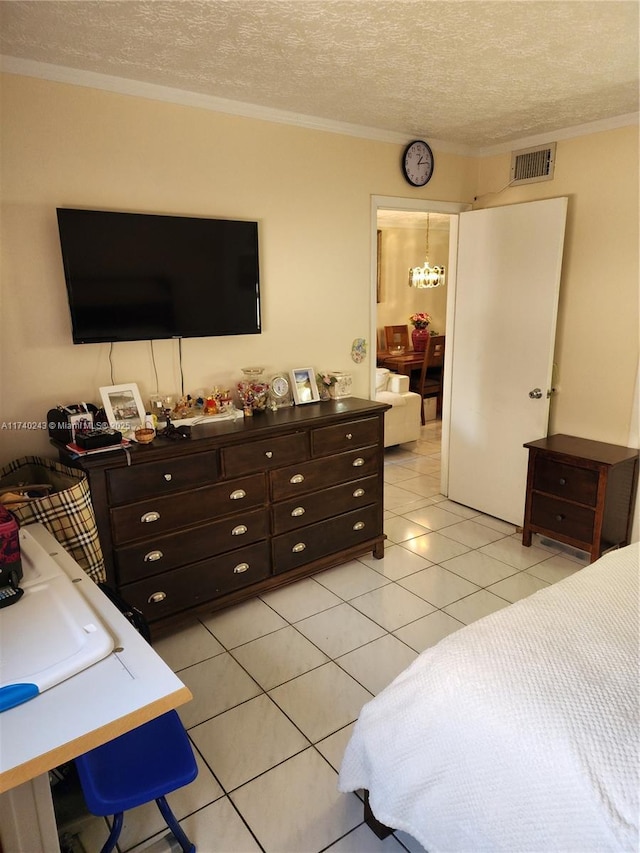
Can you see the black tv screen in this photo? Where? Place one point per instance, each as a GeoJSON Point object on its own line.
{"type": "Point", "coordinates": [140, 276]}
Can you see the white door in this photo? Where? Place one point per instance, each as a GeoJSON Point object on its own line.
{"type": "Point", "coordinates": [504, 324]}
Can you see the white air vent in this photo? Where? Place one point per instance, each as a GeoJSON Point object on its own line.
{"type": "Point", "coordinates": [533, 164]}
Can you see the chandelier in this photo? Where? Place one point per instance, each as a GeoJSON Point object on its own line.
{"type": "Point", "coordinates": [426, 276]}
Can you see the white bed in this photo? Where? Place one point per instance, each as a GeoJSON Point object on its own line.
{"type": "Point", "coordinates": [519, 732]}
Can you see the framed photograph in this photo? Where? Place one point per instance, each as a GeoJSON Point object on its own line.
{"type": "Point", "coordinates": [123, 407]}
{"type": "Point", "coordinates": [304, 385]}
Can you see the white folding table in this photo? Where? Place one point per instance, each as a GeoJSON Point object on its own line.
{"type": "Point", "coordinates": [128, 687]}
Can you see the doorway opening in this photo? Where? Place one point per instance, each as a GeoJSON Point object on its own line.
{"type": "Point", "coordinates": [399, 231]}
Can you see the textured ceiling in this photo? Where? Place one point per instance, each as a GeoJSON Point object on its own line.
{"type": "Point", "coordinates": [465, 72]}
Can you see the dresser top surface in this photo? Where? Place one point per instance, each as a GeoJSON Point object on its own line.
{"type": "Point", "coordinates": [208, 435]}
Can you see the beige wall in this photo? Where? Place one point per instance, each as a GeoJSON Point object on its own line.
{"type": "Point", "coordinates": [597, 339]}
{"type": "Point", "coordinates": [311, 192]}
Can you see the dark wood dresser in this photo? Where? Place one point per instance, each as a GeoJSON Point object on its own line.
{"type": "Point", "coordinates": [580, 492]}
{"type": "Point", "coordinates": [241, 507]}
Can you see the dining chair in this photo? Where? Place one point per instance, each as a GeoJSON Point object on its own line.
{"type": "Point", "coordinates": [395, 336]}
{"type": "Point", "coordinates": [429, 383]}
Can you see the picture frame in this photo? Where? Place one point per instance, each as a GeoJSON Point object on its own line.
{"type": "Point", "coordinates": [304, 385]}
{"type": "Point", "coordinates": [123, 407]}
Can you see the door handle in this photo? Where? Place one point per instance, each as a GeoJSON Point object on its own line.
{"type": "Point", "coordinates": [537, 393]}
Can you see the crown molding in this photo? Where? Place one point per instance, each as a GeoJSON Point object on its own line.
{"type": "Point", "coordinates": [556, 135]}
{"type": "Point", "coordinates": [153, 91]}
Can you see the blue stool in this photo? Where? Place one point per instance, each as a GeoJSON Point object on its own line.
{"type": "Point", "coordinates": [142, 765]}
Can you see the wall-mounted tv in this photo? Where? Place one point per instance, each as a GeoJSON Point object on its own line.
{"type": "Point", "coordinates": [141, 276]}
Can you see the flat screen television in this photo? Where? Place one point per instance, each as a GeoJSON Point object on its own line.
{"type": "Point", "coordinates": [141, 276]}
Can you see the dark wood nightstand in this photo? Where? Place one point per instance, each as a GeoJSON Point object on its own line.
{"type": "Point", "coordinates": [580, 492]}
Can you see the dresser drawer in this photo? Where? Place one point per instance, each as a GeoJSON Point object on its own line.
{"type": "Point", "coordinates": [157, 478]}
{"type": "Point", "coordinates": [298, 547]}
{"type": "Point", "coordinates": [557, 516]}
{"type": "Point", "coordinates": [321, 473]}
{"type": "Point", "coordinates": [566, 481]}
{"type": "Point", "coordinates": [341, 437]}
{"type": "Point", "coordinates": [154, 516]}
{"type": "Point", "coordinates": [171, 592]}
{"type": "Point", "coordinates": [161, 553]}
{"type": "Point", "coordinates": [307, 509]}
{"type": "Point", "coordinates": [266, 454]}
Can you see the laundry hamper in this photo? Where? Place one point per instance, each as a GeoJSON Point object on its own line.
{"type": "Point", "coordinates": [66, 511]}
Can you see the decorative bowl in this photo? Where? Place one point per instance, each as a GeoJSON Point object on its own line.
{"type": "Point", "coordinates": [144, 436]}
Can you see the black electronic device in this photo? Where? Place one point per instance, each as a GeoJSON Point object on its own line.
{"type": "Point", "coordinates": [64, 422]}
{"type": "Point", "coordinates": [141, 276]}
{"type": "Point", "coordinates": [10, 595]}
{"type": "Point", "coordinates": [92, 439]}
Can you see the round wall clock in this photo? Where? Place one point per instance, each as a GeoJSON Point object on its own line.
{"type": "Point", "coordinates": [417, 163]}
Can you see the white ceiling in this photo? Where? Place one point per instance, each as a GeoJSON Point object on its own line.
{"type": "Point", "coordinates": [466, 73]}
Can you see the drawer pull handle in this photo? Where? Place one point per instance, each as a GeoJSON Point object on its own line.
{"type": "Point", "coordinates": [358, 463]}
{"type": "Point", "coordinates": [359, 525]}
{"type": "Point", "coordinates": [349, 436]}
{"type": "Point", "coordinates": [298, 511]}
{"type": "Point", "coordinates": [562, 481]}
{"type": "Point", "coordinates": [358, 493]}
{"type": "Point", "coordinates": [152, 556]}
{"type": "Point", "coordinates": [156, 598]}
{"type": "Point", "coordinates": [148, 517]}
{"type": "Point", "coordinates": [269, 454]}
{"type": "Point", "coordinates": [240, 568]}
{"type": "Point", "coordinates": [297, 478]}
{"type": "Point", "coordinates": [298, 548]}
{"type": "Point", "coordinates": [168, 477]}
{"type": "Point", "coordinates": [238, 495]}
{"type": "Point", "coordinates": [240, 530]}
{"type": "Point", "coordinates": [560, 517]}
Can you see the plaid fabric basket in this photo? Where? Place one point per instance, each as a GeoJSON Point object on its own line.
{"type": "Point", "coordinates": [67, 512]}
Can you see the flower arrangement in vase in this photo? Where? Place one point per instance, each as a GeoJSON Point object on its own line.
{"type": "Point", "coordinates": [419, 336]}
{"type": "Point", "coordinates": [325, 382]}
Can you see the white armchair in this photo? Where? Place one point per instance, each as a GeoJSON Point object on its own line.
{"type": "Point", "coordinates": [402, 420]}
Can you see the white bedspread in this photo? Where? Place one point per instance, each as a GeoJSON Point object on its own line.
{"type": "Point", "coordinates": [518, 732]}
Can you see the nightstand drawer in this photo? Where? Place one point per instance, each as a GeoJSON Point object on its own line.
{"type": "Point", "coordinates": [342, 437]}
{"type": "Point", "coordinates": [263, 455]}
{"type": "Point", "coordinates": [552, 514]}
{"type": "Point", "coordinates": [157, 478]}
{"type": "Point", "coordinates": [566, 481]}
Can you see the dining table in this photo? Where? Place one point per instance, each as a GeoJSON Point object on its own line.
{"type": "Point", "coordinates": [407, 362]}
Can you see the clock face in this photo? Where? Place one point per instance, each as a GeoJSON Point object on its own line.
{"type": "Point", "coordinates": [280, 386]}
{"type": "Point", "coordinates": [417, 163]}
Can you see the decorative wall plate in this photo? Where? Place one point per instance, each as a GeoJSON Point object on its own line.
{"type": "Point", "coordinates": [358, 350]}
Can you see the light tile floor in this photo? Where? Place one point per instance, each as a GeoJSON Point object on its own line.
{"type": "Point", "coordinates": [279, 680]}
